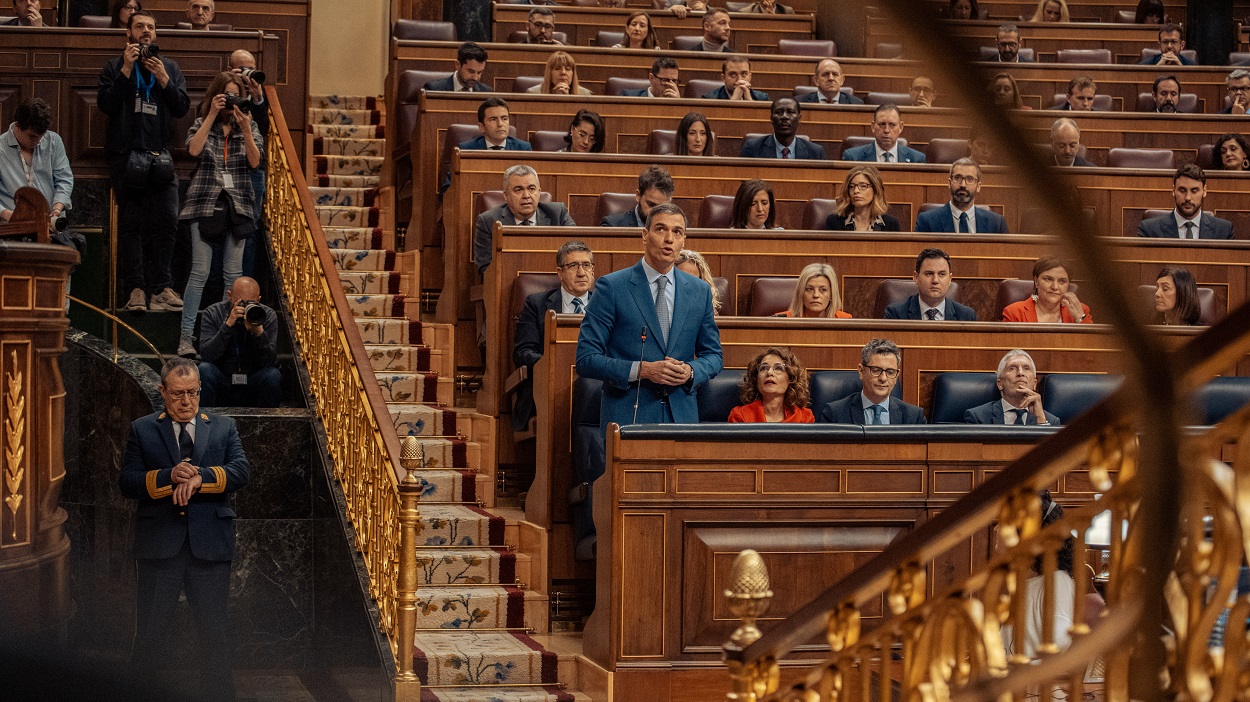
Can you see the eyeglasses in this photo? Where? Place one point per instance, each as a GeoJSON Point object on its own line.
{"type": "Point", "coordinates": [964, 180]}
{"type": "Point", "coordinates": [922, 90]}
{"type": "Point", "coordinates": [778, 368]}
{"type": "Point", "coordinates": [878, 371]}
{"type": "Point", "coordinates": [1239, 88]}
{"type": "Point", "coordinates": [578, 266]}
{"type": "Point", "coordinates": [543, 25]}
{"type": "Point", "coordinates": [183, 394]}
{"type": "Point", "coordinates": [1008, 44]}
{"type": "Point", "coordinates": [856, 187]}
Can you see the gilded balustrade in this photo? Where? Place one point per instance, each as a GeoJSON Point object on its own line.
{"type": "Point", "coordinates": [382, 507]}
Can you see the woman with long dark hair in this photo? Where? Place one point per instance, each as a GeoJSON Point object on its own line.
{"type": "Point", "coordinates": [1176, 298]}
{"type": "Point", "coordinates": [694, 136]}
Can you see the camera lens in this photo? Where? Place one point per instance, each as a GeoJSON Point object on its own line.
{"type": "Point", "coordinates": [149, 50]}
{"type": "Point", "coordinates": [61, 223]}
{"type": "Point", "coordinates": [254, 314]}
{"type": "Point", "coordinates": [254, 74]}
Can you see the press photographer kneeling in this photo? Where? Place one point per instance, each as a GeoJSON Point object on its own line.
{"type": "Point", "coordinates": [238, 351]}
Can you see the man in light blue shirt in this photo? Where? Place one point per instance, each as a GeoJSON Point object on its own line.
{"type": "Point", "coordinates": [32, 155]}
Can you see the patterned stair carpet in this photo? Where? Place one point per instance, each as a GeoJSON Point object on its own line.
{"type": "Point", "coordinates": [471, 642]}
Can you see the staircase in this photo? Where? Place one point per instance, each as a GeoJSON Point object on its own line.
{"type": "Point", "coordinates": [475, 613]}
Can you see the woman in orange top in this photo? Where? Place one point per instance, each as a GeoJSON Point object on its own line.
{"type": "Point", "coordinates": [1052, 301]}
{"type": "Point", "coordinates": [774, 389]}
{"type": "Point", "coordinates": [816, 294]}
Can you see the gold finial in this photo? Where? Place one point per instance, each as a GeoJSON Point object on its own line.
{"type": "Point", "coordinates": [748, 594]}
{"type": "Point", "coordinates": [412, 458]}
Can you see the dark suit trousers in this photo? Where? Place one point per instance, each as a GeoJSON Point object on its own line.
{"type": "Point", "coordinates": [207, 584]}
{"type": "Point", "coordinates": [147, 222]}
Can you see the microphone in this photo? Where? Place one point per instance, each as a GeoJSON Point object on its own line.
{"type": "Point", "coordinates": [642, 347]}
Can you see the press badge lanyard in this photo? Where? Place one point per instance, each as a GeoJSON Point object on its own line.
{"type": "Point", "coordinates": [143, 94]}
{"type": "Point", "coordinates": [227, 180]}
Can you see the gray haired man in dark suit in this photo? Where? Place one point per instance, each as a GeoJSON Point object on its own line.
{"type": "Point", "coordinates": [1020, 403]}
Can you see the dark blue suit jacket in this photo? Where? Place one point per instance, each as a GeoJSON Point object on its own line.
{"type": "Point", "coordinates": [448, 84]}
{"type": "Point", "coordinates": [843, 98]}
{"type": "Point", "coordinates": [634, 92]}
{"type": "Point", "coordinates": [147, 467]}
{"type": "Point", "coordinates": [610, 343]}
{"type": "Point", "coordinates": [910, 309]}
{"type": "Point", "coordinates": [868, 152]}
{"type": "Point", "coordinates": [1154, 60]}
{"type": "Point", "coordinates": [1164, 226]}
{"type": "Point", "coordinates": [941, 220]}
{"type": "Point", "coordinates": [628, 218]}
{"type": "Point", "coordinates": [722, 94]}
{"type": "Point", "coordinates": [992, 413]}
{"type": "Point", "coordinates": [850, 410]}
{"type": "Point", "coordinates": [479, 143]}
{"type": "Point", "coordinates": [527, 349]}
{"type": "Point", "coordinates": [766, 147]}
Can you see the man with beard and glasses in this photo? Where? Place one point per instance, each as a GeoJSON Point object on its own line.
{"type": "Point", "coordinates": [784, 142]}
{"type": "Point", "coordinates": [961, 215]}
{"type": "Point", "coordinates": [1187, 221]}
{"type": "Point", "coordinates": [1167, 93]}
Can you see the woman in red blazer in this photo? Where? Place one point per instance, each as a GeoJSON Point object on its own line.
{"type": "Point", "coordinates": [774, 389]}
{"type": "Point", "coordinates": [1052, 300]}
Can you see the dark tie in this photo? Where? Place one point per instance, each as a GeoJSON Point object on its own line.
{"type": "Point", "coordinates": [1022, 416]}
{"type": "Point", "coordinates": [577, 306]}
{"type": "Point", "coordinates": [527, 222]}
{"type": "Point", "coordinates": [963, 222]}
{"type": "Point", "coordinates": [887, 157]}
{"type": "Point", "coordinates": [661, 307]}
{"type": "Point", "coordinates": [876, 413]}
{"type": "Point", "coordinates": [1189, 231]}
{"type": "Point", "coordinates": [495, 148]}
{"type": "Point", "coordinates": [931, 313]}
{"type": "Point", "coordinates": [785, 152]}
{"type": "Point", "coordinates": [185, 443]}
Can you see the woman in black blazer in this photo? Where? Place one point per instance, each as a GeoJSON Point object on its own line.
{"type": "Point", "coordinates": [862, 205]}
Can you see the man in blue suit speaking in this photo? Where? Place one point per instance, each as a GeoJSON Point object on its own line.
{"type": "Point", "coordinates": [961, 215]}
{"type": "Point", "coordinates": [181, 466]}
{"type": "Point", "coordinates": [650, 335]}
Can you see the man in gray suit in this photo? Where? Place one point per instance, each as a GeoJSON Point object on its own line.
{"type": "Point", "coordinates": [1187, 221]}
{"type": "Point", "coordinates": [1020, 403]}
{"type": "Point", "coordinates": [879, 364]}
{"type": "Point", "coordinates": [655, 187]}
{"type": "Point", "coordinates": [521, 206]}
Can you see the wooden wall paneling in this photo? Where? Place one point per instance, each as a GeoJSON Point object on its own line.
{"type": "Point", "coordinates": [1124, 40]}
{"type": "Point", "coordinates": [1080, 10]}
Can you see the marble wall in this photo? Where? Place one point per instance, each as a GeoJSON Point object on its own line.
{"type": "Point", "coordinates": [296, 602]}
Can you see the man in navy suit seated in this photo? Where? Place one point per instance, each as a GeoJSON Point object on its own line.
{"type": "Point", "coordinates": [961, 215]}
{"type": "Point", "coordinates": [575, 264]}
{"type": "Point", "coordinates": [1008, 43]}
{"type": "Point", "coordinates": [735, 71]}
{"type": "Point", "coordinates": [828, 80]}
{"type": "Point", "coordinates": [880, 362]}
{"type": "Point", "coordinates": [1081, 93]}
{"type": "Point", "coordinates": [887, 127]}
{"type": "Point", "coordinates": [933, 279]}
{"type": "Point", "coordinates": [655, 187]}
{"type": "Point", "coordinates": [664, 79]}
{"type": "Point", "coordinates": [1167, 94]}
{"type": "Point", "coordinates": [493, 121]}
{"type": "Point", "coordinates": [1238, 86]}
{"type": "Point", "coordinates": [1065, 143]}
{"type": "Point", "coordinates": [1171, 43]}
{"type": "Point", "coordinates": [521, 206]}
{"type": "Point", "coordinates": [470, 66]}
{"type": "Point", "coordinates": [784, 142]}
{"type": "Point", "coordinates": [650, 334]}
{"type": "Point", "coordinates": [1187, 221]}
{"type": "Point", "coordinates": [1020, 404]}
{"type": "Point", "coordinates": [181, 466]}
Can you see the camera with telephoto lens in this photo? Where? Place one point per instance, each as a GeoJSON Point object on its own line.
{"type": "Point", "coordinates": [147, 51]}
{"type": "Point", "coordinates": [254, 313]}
{"type": "Point", "coordinates": [60, 223]}
{"type": "Point", "coordinates": [253, 73]}
{"type": "Point", "coordinates": [242, 102]}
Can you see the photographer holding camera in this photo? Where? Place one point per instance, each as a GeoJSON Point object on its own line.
{"type": "Point", "coordinates": [238, 351]}
{"type": "Point", "coordinates": [33, 155]}
{"type": "Point", "coordinates": [142, 93]}
{"type": "Point", "coordinates": [244, 63]}
{"type": "Point", "coordinates": [220, 203]}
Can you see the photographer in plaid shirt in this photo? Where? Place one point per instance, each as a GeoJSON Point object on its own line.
{"type": "Point", "coordinates": [220, 200]}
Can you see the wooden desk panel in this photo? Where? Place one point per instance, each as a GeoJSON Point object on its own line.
{"type": "Point", "coordinates": [288, 20]}
{"type": "Point", "coordinates": [1124, 40]}
{"type": "Point", "coordinates": [62, 66]}
{"type": "Point", "coordinates": [752, 33]}
{"type": "Point", "coordinates": [1080, 10]}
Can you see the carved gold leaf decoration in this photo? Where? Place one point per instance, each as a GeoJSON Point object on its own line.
{"type": "Point", "coordinates": [14, 439]}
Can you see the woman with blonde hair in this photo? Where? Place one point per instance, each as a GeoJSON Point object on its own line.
{"type": "Point", "coordinates": [560, 77]}
{"type": "Point", "coordinates": [862, 206]}
{"type": "Point", "coordinates": [692, 262]}
{"type": "Point", "coordinates": [774, 389]}
{"type": "Point", "coordinates": [1051, 11]}
{"type": "Point", "coordinates": [816, 295]}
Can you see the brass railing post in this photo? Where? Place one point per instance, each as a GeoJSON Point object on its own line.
{"type": "Point", "coordinates": [407, 685]}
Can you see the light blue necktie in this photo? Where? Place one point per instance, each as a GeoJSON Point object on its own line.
{"type": "Point", "coordinates": [661, 307]}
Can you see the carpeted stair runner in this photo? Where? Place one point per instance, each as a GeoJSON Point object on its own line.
{"type": "Point", "coordinates": [474, 612]}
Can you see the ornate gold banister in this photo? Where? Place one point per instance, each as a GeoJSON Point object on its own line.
{"type": "Point", "coordinates": [381, 505]}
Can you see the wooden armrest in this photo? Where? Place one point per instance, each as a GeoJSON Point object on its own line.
{"type": "Point", "coordinates": [518, 376]}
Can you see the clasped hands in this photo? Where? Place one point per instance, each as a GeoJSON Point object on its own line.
{"type": "Point", "coordinates": [187, 480]}
{"type": "Point", "coordinates": [670, 371]}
